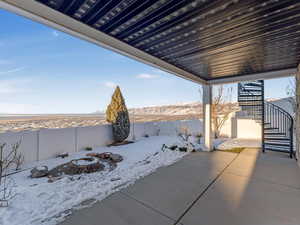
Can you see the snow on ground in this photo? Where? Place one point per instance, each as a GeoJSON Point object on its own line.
{"type": "Point", "coordinates": [224, 144]}
{"type": "Point", "coordinates": [39, 202]}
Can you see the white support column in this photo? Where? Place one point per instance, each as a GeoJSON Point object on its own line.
{"type": "Point", "coordinates": [297, 124]}
{"type": "Point", "coordinates": [207, 118]}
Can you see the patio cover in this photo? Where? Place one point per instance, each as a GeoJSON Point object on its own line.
{"type": "Point", "coordinates": [206, 41]}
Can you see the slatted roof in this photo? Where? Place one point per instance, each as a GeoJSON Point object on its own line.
{"type": "Point", "coordinates": [207, 39]}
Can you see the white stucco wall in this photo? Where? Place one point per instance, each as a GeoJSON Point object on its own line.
{"type": "Point", "coordinates": [248, 129]}
{"type": "Point", "coordinates": [151, 128]}
{"type": "Point", "coordinates": [55, 141]}
{"type": "Point", "coordinates": [47, 143]}
{"type": "Point", "coordinates": [168, 127]}
{"type": "Point", "coordinates": [138, 130]}
{"type": "Point", "coordinates": [93, 136]}
{"type": "Point", "coordinates": [29, 144]}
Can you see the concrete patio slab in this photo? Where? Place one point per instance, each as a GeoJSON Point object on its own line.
{"type": "Point", "coordinates": [207, 188]}
{"type": "Point", "coordinates": [117, 209]}
{"type": "Point", "coordinates": [171, 190]}
{"type": "Point", "coordinates": [238, 200]}
{"type": "Point", "coordinates": [273, 167]}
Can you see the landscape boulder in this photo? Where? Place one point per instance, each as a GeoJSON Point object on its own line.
{"type": "Point", "coordinates": [115, 158]}
{"type": "Point", "coordinates": [38, 172]}
{"type": "Point", "coordinates": [62, 155]}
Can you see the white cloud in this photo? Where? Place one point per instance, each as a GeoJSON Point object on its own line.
{"type": "Point", "coordinates": [55, 33]}
{"type": "Point", "coordinates": [12, 70]}
{"type": "Point", "coordinates": [160, 71]}
{"type": "Point", "coordinates": [110, 84]}
{"type": "Point", "coordinates": [146, 76]}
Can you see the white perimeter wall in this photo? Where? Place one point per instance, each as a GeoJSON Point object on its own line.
{"type": "Point", "coordinates": [248, 129]}
{"type": "Point", "coordinates": [47, 143]}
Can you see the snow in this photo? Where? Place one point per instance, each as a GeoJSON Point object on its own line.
{"type": "Point", "coordinates": [224, 144]}
{"type": "Point", "coordinates": [82, 162]}
{"type": "Point", "coordinates": [39, 202]}
{"type": "Point", "coordinates": [41, 167]}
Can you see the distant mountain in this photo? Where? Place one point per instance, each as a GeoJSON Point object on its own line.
{"type": "Point", "coordinates": [193, 108]}
{"type": "Point", "coordinates": [176, 109]}
{"type": "Point", "coordinates": [98, 112]}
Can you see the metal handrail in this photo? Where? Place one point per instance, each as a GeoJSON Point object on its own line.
{"type": "Point", "coordinates": [280, 109]}
{"type": "Point", "coordinates": [284, 125]}
{"type": "Point", "coordinates": [275, 106]}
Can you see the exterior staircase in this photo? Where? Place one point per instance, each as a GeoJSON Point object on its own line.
{"type": "Point", "coordinates": [277, 124]}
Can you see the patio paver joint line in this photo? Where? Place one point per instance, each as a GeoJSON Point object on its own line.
{"type": "Point", "coordinates": [177, 222]}
{"type": "Point", "coordinates": [147, 206]}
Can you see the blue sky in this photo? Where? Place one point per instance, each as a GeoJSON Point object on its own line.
{"type": "Point", "coordinates": [46, 71]}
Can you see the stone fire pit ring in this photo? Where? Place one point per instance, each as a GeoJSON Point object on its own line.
{"type": "Point", "coordinates": [84, 165]}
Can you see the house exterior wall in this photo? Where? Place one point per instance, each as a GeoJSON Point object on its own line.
{"type": "Point", "coordinates": [298, 114]}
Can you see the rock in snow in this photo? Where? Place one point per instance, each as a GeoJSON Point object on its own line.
{"type": "Point", "coordinates": [38, 172]}
{"type": "Point", "coordinates": [39, 202]}
{"type": "Point", "coordinates": [116, 158]}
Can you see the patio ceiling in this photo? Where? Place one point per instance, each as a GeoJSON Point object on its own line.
{"type": "Point", "coordinates": [206, 41]}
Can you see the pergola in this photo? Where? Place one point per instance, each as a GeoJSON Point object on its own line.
{"type": "Point", "coordinates": [206, 41]}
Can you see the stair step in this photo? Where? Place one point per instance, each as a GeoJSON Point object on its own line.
{"type": "Point", "coordinates": [249, 105]}
{"type": "Point", "coordinates": [282, 147]}
{"type": "Point", "coordinates": [251, 89]}
{"type": "Point", "coordinates": [277, 150]}
{"type": "Point", "coordinates": [250, 102]}
{"type": "Point", "coordinates": [274, 136]}
{"type": "Point", "coordinates": [257, 86]}
{"type": "Point", "coordinates": [273, 133]}
{"type": "Point", "coordinates": [266, 126]}
{"type": "Point", "coordinates": [249, 95]}
{"type": "Point", "coordinates": [277, 139]}
{"type": "Point", "coordinates": [254, 100]}
{"type": "Point", "coordinates": [271, 128]}
{"type": "Point", "coordinates": [253, 84]}
{"type": "Point", "coordinates": [277, 144]}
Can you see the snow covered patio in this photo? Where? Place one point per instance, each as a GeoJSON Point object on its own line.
{"type": "Point", "coordinates": [206, 188]}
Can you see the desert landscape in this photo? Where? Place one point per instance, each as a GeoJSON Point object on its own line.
{"type": "Point", "coordinates": [187, 111]}
{"type": "Point", "coordinates": [183, 111]}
